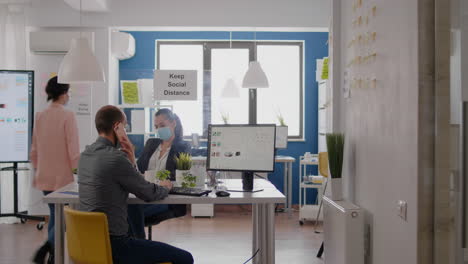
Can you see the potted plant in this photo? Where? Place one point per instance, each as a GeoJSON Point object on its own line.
{"type": "Point", "coordinates": [183, 165]}
{"type": "Point", "coordinates": [282, 129]}
{"type": "Point", "coordinates": [335, 148]}
{"type": "Point", "coordinates": [163, 175]}
{"type": "Point", "coordinates": [189, 180]}
{"type": "Point", "coordinates": [225, 117]}
{"type": "Point", "coordinates": [281, 119]}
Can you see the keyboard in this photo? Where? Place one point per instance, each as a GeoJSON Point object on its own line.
{"type": "Point", "coordinates": [189, 191]}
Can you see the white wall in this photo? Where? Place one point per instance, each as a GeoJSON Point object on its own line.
{"type": "Point", "coordinates": [259, 13]}
{"type": "Point", "coordinates": [44, 65]}
{"type": "Point", "coordinates": [464, 53]}
{"type": "Point", "coordinates": [381, 124]}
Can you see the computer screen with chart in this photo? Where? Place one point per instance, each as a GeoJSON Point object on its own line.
{"type": "Point", "coordinates": [241, 148]}
{"type": "Point", "coordinates": [16, 114]}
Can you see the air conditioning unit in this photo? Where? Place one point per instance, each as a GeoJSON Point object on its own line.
{"type": "Point", "coordinates": [122, 45]}
{"type": "Point", "coordinates": [55, 42]}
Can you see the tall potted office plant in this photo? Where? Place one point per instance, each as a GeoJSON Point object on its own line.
{"type": "Point", "coordinates": [183, 165]}
{"type": "Point", "coordinates": [335, 147]}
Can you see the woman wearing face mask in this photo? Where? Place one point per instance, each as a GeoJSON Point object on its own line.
{"type": "Point", "coordinates": [54, 153]}
{"type": "Point", "coordinates": [159, 154]}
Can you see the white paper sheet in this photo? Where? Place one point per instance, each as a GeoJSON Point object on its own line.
{"type": "Point", "coordinates": [138, 121]}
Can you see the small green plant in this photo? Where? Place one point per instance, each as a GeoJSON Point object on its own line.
{"type": "Point", "coordinates": [335, 147]}
{"type": "Point", "coordinates": [189, 180]}
{"type": "Point", "coordinates": [75, 171]}
{"type": "Point", "coordinates": [163, 175]}
{"type": "Point", "coordinates": [280, 118]}
{"type": "Point", "coordinates": [225, 117]}
{"type": "Point", "coordinates": [183, 161]}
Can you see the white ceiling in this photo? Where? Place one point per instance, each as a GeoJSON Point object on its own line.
{"type": "Point", "coordinates": [15, 1]}
{"type": "Point", "coordinates": [183, 13]}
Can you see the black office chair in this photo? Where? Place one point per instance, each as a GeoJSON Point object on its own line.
{"type": "Point", "coordinates": [175, 210]}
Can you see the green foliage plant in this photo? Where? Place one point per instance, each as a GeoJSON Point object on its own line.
{"type": "Point", "coordinates": [335, 148]}
{"type": "Point", "coordinates": [183, 161]}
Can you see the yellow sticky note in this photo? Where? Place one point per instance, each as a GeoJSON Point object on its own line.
{"type": "Point", "coordinates": [325, 69]}
{"type": "Point", "coordinates": [130, 93]}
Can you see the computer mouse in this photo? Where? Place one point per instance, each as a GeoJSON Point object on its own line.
{"type": "Point", "coordinates": [222, 194]}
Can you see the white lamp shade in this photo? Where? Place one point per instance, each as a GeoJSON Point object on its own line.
{"type": "Point", "coordinates": [80, 65]}
{"type": "Point", "coordinates": [255, 77]}
{"type": "Point", "coordinates": [231, 90]}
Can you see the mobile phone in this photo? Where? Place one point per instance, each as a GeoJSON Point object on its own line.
{"type": "Point", "coordinates": [120, 132]}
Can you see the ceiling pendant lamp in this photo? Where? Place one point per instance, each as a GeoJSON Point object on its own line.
{"type": "Point", "coordinates": [80, 64]}
{"type": "Point", "coordinates": [231, 90]}
{"type": "Point", "coordinates": [255, 77]}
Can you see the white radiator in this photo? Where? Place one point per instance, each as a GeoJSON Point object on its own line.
{"type": "Point", "coordinates": [343, 232]}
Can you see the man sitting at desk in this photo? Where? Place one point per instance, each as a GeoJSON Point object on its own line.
{"type": "Point", "coordinates": [107, 175]}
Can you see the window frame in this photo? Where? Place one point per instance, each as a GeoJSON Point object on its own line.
{"type": "Point", "coordinates": [300, 44]}
{"type": "Point", "coordinates": [208, 45]}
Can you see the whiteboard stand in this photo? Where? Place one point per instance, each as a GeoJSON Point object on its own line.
{"type": "Point", "coordinates": [23, 216]}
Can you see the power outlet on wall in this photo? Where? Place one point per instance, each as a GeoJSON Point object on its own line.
{"type": "Point", "coordinates": [402, 207]}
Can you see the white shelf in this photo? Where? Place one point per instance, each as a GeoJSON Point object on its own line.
{"type": "Point", "coordinates": [311, 185]}
{"type": "Point", "coordinates": [134, 106]}
{"type": "Point", "coordinates": [309, 212]}
{"type": "Point", "coordinates": [313, 162]}
{"type": "Point", "coordinates": [141, 106]}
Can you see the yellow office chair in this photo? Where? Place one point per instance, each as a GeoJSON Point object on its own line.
{"type": "Point", "coordinates": [323, 164]}
{"type": "Point", "coordinates": [88, 237]}
{"type": "Point", "coordinates": [323, 170]}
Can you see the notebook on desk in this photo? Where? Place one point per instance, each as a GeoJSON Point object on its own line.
{"type": "Point", "coordinates": [189, 191]}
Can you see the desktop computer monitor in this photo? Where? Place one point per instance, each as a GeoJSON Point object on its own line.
{"type": "Point", "coordinates": [246, 148]}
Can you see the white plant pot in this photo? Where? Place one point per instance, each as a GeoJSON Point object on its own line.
{"type": "Point", "coordinates": [179, 176]}
{"type": "Point", "coordinates": [336, 189]}
{"type": "Point", "coordinates": [200, 173]}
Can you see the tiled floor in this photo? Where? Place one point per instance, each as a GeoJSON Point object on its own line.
{"type": "Point", "coordinates": [226, 238]}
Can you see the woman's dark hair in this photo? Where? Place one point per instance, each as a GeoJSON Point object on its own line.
{"type": "Point", "coordinates": [178, 130]}
{"type": "Point", "coordinates": [54, 89]}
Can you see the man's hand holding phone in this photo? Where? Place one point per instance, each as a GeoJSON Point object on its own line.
{"type": "Point", "coordinates": [126, 145]}
{"type": "Point", "coordinates": [166, 183]}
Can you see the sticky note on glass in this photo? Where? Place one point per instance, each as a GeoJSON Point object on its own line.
{"type": "Point", "coordinates": [130, 92]}
{"type": "Point", "coordinates": [325, 69]}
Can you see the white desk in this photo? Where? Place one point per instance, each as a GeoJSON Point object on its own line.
{"type": "Point", "coordinates": [287, 176]}
{"type": "Point", "coordinates": [263, 213]}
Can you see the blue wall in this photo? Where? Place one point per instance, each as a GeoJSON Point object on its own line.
{"type": "Point", "coordinates": [315, 47]}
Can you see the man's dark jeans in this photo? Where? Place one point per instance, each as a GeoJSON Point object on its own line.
{"type": "Point", "coordinates": [127, 250]}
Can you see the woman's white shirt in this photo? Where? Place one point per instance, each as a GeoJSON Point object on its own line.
{"type": "Point", "coordinates": [156, 164]}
